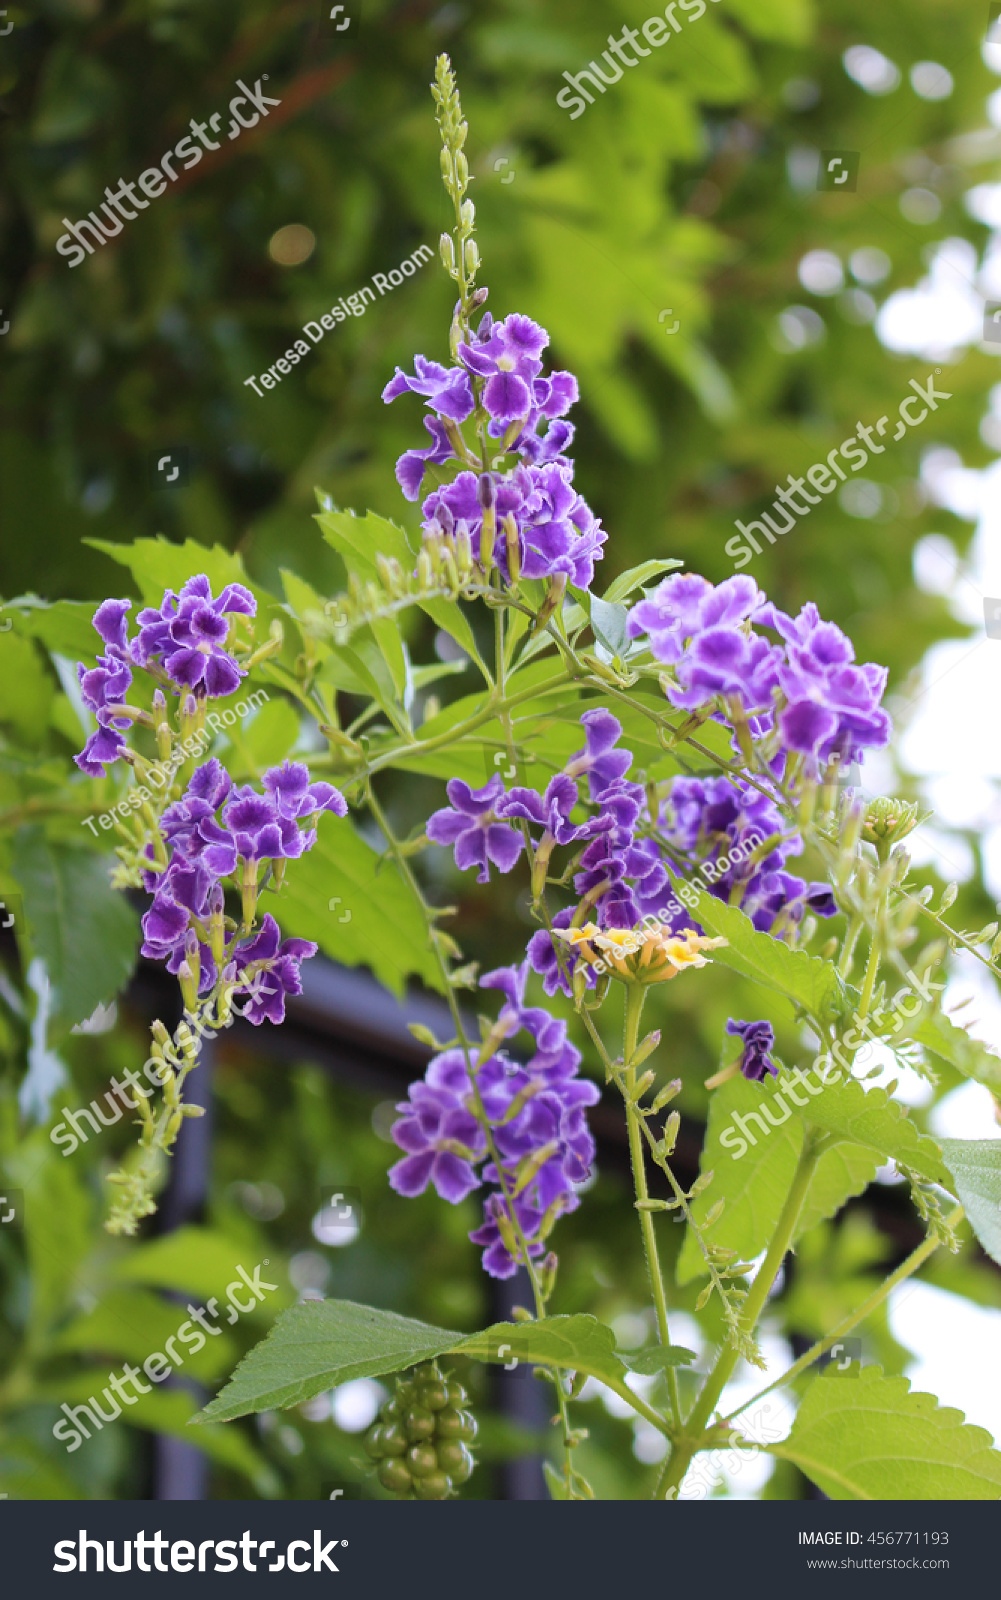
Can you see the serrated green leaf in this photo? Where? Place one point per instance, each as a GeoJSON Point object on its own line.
{"type": "Point", "coordinates": [314, 1346]}
{"type": "Point", "coordinates": [810, 984]}
{"type": "Point", "coordinates": [975, 1167]}
{"type": "Point", "coordinates": [870, 1438]}
{"type": "Point", "coordinates": [754, 1178]}
{"type": "Point", "coordinates": [937, 1033]}
{"type": "Point", "coordinates": [85, 932]}
{"type": "Point", "coordinates": [658, 1357]}
{"type": "Point", "coordinates": [871, 1117]}
{"type": "Point", "coordinates": [160, 564]}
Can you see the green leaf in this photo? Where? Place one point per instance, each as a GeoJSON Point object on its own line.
{"type": "Point", "coordinates": [160, 564]}
{"type": "Point", "coordinates": [355, 905]}
{"type": "Point", "coordinates": [753, 1170]}
{"type": "Point", "coordinates": [319, 1344]}
{"type": "Point", "coordinates": [657, 1357]}
{"type": "Point", "coordinates": [812, 985]}
{"type": "Point", "coordinates": [314, 1346]}
{"type": "Point", "coordinates": [635, 577]}
{"type": "Point", "coordinates": [26, 689]}
{"type": "Point", "coordinates": [579, 1343]}
{"type": "Point", "coordinates": [132, 1324]}
{"type": "Point", "coordinates": [608, 624]}
{"type": "Point", "coordinates": [943, 1038]}
{"type": "Point", "coordinates": [66, 627]}
{"type": "Point", "coordinates": [975, 1167]}
{"type": "Point", "coordinates": [870, 1438]}
{"type": "Point", "coordinates": [870, 1117]}
{"type": "Point", "coordinates": [85, 932]}
{"type": "Point", "coordinates": [198, 1261]}
{"type": "Point", "coordinates": [272, 733]}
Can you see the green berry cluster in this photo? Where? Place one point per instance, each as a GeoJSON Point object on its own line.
{"type": "Point", "coordinates": [422, 1438]}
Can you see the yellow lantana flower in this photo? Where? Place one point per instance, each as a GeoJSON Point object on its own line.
{"type": "Point", "coordinates": [649, 953]}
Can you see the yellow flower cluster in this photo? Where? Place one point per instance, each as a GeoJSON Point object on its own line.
{"type": "Point", "coordinates": [648, 953]}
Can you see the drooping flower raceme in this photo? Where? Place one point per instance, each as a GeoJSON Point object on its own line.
{"type": "Point", "coordinates": [182, 642]}
{"type": "Point", "coordinates": [519, 1128]}
{"type": "Point", "coordinates": [219, 831]}
{"type": "Point", "coordinates": [528, 521]}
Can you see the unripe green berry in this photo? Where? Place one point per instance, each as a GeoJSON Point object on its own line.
{"type": "Point", "coordinates": [390, 1411]}
{"type": "Point", "coordinates": [433, 1487]}
{"type": "Point", "coordinates": [427, 1372]}
{"type": "Point", "coordinates": [455, 1394]}
{"type": "Point", "coordinates": [373, 1443]}
{"type": "Point", "coordinates": [394, 1476]}
{"type": "Point", "coordinates": [433, 1395]}
{"type": "Point", "coordinates": [455, 1459]}
{"type": "Point", "coordinates": [393, 1440]}
{"type": "Point", "coordinates": [418, 1423]}
{"type": "Point", "coordinates": [422, 1460]}
{"type": "Point", "coordinates": [451, 1424]}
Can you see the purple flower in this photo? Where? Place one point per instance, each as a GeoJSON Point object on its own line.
{"type": "Point", "coordinates": [470, 825]}
{"type": "Point", "coordinates": [508, 354]}
{"type": "Point", "coordinates": [599, 758]}
{"type": "Point", "coordinates": [104, 686]}
{"type": "Point", "coordinates": [295, 796]}
{"type": "Point", "coordinates": [188, 633]}
{"type": "Point", "coordinates": [549, 1032]}
{"type": "Point", "coordinates": [758, 1040]}
{"type": "Point", "coordinates": [447, 390]}
{"type": "Point", "coordinates": [832, 705]}
{"type": "Point", "coordinates": [280, 960]}
{"type": "Point", "coordinates": [704, 633]}
{"type": "Point", "coordinates": [436, 1118]}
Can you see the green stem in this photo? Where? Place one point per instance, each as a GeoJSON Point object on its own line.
{"type": "Point", "coordinates": [916, 1259]}
{"type": "Point", "coordinates": [635, 997]}
{"type": "Point", "coordinates": [685, 1449]}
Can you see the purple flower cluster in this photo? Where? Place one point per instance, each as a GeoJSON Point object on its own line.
{"type": "Point", "coordinates": [220, 830]}
{"type": "Point", "coordinates": [808, 690]}
{"type": "Point", "coordinates": [185, 638]}
{"type": "Point", "coordinates": [499, 383]}
{"type": "Point", "coordinates": [721, 823]}
{"type": "Point", "coordinates": [758, 1040]}
{"type": "Point", "coordinates": [628, 867]}
{"type": "Point", "coordinates": [536, 1117]}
